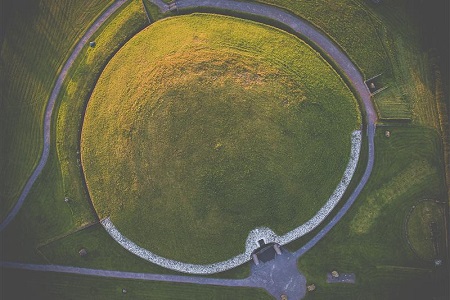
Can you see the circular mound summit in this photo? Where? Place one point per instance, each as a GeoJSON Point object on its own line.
{"type": "Point", "coordinates": [203, 127]}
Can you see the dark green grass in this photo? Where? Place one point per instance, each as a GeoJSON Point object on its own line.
{"type": "Point", "coordinates": [360, 169]}
{"type": "Point", "coordinates": [105, 253]}
{"type": "Point", "coordinates": [36, 285]}
{"type": "Point", "coordinates": [83, 75]}
{"type": "Point", "coordinates": [153, 11]}
{"type": "Point", "coordinates": [249, 150]}
{"type": "Point", "coordinates": [419, 232]}
{"type": "Point", "coordinates": [379, 281]}
{"type": "Point", "coordinates": [412, 89]}
{"type": "Point", "coordinates": [45, 215]}
{"type": "Point", "coordinates": [349, 24]}
{"type": "Point", "coordinates": [371, 236]}
{"type": "Point", "coordinates": [44, 229]}
{"type": "Point", "coordinates": [37, 39]}
{"type": "Point", "coordinates": [392, 105]}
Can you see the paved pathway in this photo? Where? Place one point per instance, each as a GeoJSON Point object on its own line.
{"type": "Point", "coordinates": [163, 7]}
{"type": "Point", "coordinates": [49, 109]}
{"type": "Point", "coordinates": [279, 275]}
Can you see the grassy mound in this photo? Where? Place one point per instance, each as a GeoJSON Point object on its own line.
{"type": "Point", "coordinates": [204, 127]}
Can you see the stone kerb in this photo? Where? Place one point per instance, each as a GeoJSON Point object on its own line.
{"type": "Point", "coordinates": [255, 235]}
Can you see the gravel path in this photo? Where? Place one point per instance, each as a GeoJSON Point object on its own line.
{"type": "Point", "coordinates": [49, 109]}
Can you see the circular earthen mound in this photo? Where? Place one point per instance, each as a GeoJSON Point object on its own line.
{"type": "Point", "coordinates": [203, 127]}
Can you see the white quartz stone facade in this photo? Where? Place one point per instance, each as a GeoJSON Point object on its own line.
{"type": "Point", "coordinates": [255, 235]}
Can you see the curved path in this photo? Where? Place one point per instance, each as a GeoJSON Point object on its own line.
{"type": "Point", "coordinates": [278, 276]}
{"type": "Point", "coordinates": [51, 104]}
{"type": "Point", "coordinates": [350, 201]}
{"type": "Point", "coordinates": [286, 261]}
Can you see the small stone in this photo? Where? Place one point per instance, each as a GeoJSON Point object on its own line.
{"type": "Point", "coordinates": [66, 199]}
{"type": "Point", "coordinates": [218, 146]}
{"type": "Point", "coordinates": [311, 287]}
{"type": "Point", "coordinates": [82, 252]}
{"type": "Point", "coordinates": [387, 133]}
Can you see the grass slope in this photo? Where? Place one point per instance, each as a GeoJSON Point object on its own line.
{"type": "Point", "coordinates": [221, 132]}
{"type": "Point", "coordinates": [37, 37]}
{"type": "Point", "coordinates": [375, 278]}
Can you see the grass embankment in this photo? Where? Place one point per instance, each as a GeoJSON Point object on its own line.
{"type": "Point", "coordinates": [370, 239]}
{"type": "Point", "coordinates": [123, 25]}
{"type": "Point", "coordinates": [208, 124]}
{"type": "Point", "coordinates": [153, 12]}
{"type": "Point", "coordinates": [37, 39]}
{"type": "Point", "coordinates": [45, 216]}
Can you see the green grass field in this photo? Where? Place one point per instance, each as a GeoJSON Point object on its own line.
{"type": "Point", "coordinates": [37, 39]}
{"type": "Point", "coordinates": [360, 243]}
{"type": "Point", "coordinates": [223, 133]}
{"type": "Point", "coordinates": [45, 207]}
{"type": "Point", "coordinates": [26, 285]}
{"type": "Point", "coordinates": [348, 23]}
